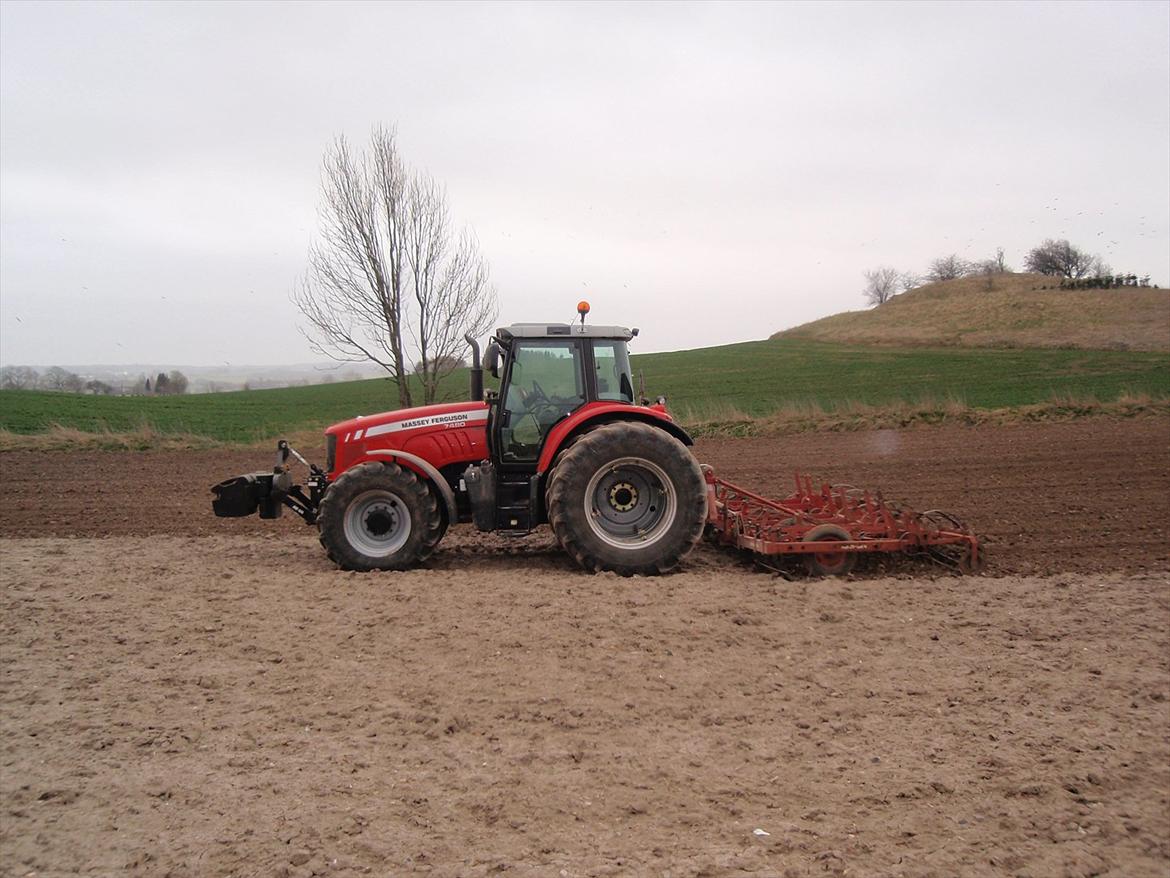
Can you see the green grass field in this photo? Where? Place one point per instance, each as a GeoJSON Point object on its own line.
{"type": "Point", "coordinates": [753, 378]}
{"type": "Point", "coordinates": [761, 377]}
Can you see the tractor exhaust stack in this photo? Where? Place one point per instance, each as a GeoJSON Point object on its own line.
{"type": "Point", "coordinates": [476, 370]}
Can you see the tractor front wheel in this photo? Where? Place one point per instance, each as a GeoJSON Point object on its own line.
{"type": "Point", "coordinates": [379, 516]}
{"type": "Point", "coordinates": [627, 497]}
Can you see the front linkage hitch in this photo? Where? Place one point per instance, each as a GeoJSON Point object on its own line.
{"type": "Point", "coordinates": [269, 492]}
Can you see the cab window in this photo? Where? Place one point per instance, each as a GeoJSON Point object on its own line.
{"type": "Point", "coordinates": [614, 378]}
{"type": "Point", "coordinates": [546, 383]}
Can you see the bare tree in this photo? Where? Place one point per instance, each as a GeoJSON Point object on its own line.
{"type": "Point", "coordinates": [987, 267]}
{"type": "Point", "coordinates": [19, 378]}
{"type": "Point", "coordinates": [56, 378]}
{"type": "Point", "coordinates": [1099, 268]}
{"type": "Point", "coordinates": [881, 285]}
{"type": "Point", "coordinates": [390, 280]}
{"type": "Point", "coordinates": [177, 383]}
{"type": "Point", "coordinates": [909, 281]}
{"type": "Point", "coordinates": [948, 268]}
{"type": "Point", "coordinates": [1062, 259]}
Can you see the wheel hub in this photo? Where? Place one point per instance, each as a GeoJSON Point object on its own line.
{"type": "Point", "coordinates": [623, 496]}
{"type": "Point", "coordinates": [379, 520]}
{"type": "Point", "coordinates": [630, 503]}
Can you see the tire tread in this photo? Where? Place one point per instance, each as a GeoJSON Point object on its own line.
{"type": "Point", "coordinates": [426, 518]}
{"type": "Point", "coordinates": [576, 463]}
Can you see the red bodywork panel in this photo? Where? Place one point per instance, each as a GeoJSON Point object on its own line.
{"type": "Point", "coordinates": [439, 434]}
{"type": "Point", "coordinates": [457, 433]}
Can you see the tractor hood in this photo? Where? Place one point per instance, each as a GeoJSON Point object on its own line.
{"type": "Point", "coordinates": [442, 417]}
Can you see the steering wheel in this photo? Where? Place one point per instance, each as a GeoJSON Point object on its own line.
{"type": "Point", "coordinates": [537, 395]}
{"type": "Point", "coordinates": [536, 401]}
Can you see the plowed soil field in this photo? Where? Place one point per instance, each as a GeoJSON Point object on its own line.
{"type": "Point", "coordinates": [183, 695]}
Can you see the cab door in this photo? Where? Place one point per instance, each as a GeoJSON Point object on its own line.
{"type": "Point", "coordinates": [545, 382]}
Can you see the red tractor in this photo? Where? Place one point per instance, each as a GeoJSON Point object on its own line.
{"type": "Point", "coordinates": [565, 442]}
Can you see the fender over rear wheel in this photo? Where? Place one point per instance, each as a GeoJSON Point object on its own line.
{"type": "Point", "coordinates": [627, 497]}
{"type": "Point", "coordinates": [379, 516]}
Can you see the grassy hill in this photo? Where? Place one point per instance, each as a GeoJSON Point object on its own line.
{"type": "Point", "coordinates": [728, 383]}
{"type": "Point", "coordinates": [1018, 312]}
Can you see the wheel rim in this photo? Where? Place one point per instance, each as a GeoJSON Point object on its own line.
{"type": "Point", "coordinates": [630, 503]}
{"type": "Point", "coordinates": [830, 560]}
{"type": "Point", "coordinates": [377, 523]}
{"type": "Point", "coordinates": [828, 563]}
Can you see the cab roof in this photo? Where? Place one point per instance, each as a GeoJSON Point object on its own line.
{"type": "Point", "coordinates": [563, 330]}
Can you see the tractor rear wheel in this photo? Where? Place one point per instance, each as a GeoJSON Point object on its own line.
{"type": "Point", "coordinates": [627, 497]}
{"type": "Point", "coordinates": [828, 563]}
{"type": "Point", "coordinates": [379, 516]}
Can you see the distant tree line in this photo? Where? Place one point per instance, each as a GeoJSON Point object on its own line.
{"type": "Point", "coordinates": [62, 380]}
{"type": "Point", "coordinates": [53, 378]}
{"type": "Point", "coordinates": [1077, 269]}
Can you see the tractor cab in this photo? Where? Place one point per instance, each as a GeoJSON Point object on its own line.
{"type": "Point", "coordinates": [557, 381]}
{"type": "Point", "coordinates": [550, 371]}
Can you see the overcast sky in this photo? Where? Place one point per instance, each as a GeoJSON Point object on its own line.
{"type": "Point", "coordinates": [710, 173]}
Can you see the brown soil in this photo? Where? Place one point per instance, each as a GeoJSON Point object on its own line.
{"type": "Point", "coordinates": [1084, 496]}
{"type": "Point", "coordinates": [181, 695]}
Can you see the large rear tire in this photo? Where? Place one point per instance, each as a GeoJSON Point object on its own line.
{"type": "Point", "coordinates": [379, 516]}
{"type": "Point", "coordinates": [627, 497]}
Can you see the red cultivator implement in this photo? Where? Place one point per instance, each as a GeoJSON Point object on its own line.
{"type": "Point", "coordinates": [829, 528]}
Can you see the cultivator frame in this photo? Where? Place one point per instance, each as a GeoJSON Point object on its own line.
{"type": "Point", "coordinates": [829, 528]}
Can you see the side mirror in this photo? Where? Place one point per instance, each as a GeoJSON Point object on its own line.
{"type": "Point", "coordinates": [491, 359]}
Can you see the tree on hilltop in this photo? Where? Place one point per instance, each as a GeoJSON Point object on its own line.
{"type": "Point", "coordinates": [1062, 259]}
{"type": "Point", "coordinates": [989, 268]}
{"type": "Point", "coordinates": [948, 268]}
{"type": "Point", "coordinates": [881, 285]}
{"type": "Point", "coordinates": [996, 265]}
